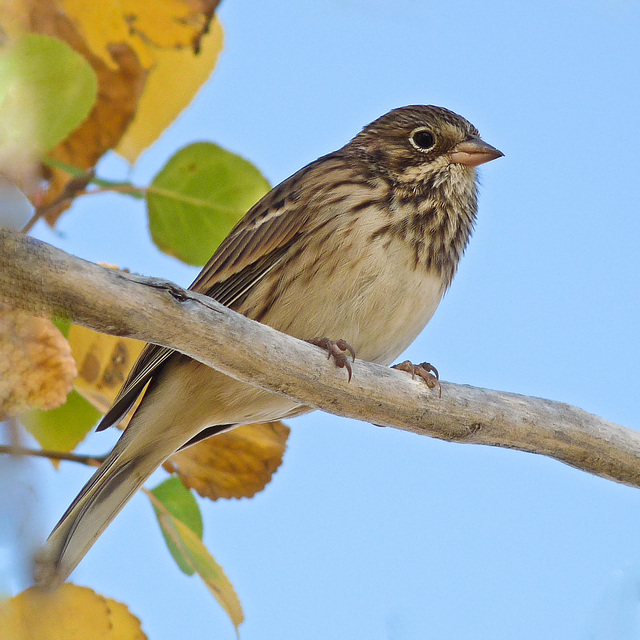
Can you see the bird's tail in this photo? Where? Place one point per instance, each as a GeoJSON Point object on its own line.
{"type": "Point", "coordinates": [97, 504]}
{"type": "Point", "coordinates": [169, 416]}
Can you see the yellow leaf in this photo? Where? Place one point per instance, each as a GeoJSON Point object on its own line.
{"type": "Point", "coordinates": [125, 625]}
{"type": "Point", "coordinates": [36, 366]}
{"type": "Point", "coordinates": [143, 25]}
{"type": "Point", "coordinates": [201, 561]}
{"type": "Point", "coordinates": [182, 71]}
{"type": "Point", "coordinates": [171, 23]}
{"type": "Point", "coordinates": [103, 364]}
{"type": "Point", "coordinates": [71, 613]}
{"type": "Point", "coordinates": [103, 24]}
{"type": "Point", "coordinates": [235, 464]}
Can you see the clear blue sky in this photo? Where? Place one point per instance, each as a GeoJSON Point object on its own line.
{"type": "Point", "coordinates": [372, 533]}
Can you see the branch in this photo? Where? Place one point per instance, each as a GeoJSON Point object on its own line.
{"type": "Point", "coordinates": [46, 281]}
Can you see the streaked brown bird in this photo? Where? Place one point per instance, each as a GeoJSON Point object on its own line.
{"type": "Point", "coordinates": [357, 247]}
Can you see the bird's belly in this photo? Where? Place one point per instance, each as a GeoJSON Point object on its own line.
{"type": "Point", "coordinates": [379, 304]}
{"type": "Point", "coordinates": [389, 324]}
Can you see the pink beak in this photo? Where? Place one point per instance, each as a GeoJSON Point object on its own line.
{"type": "Point", "coordinates": [473, 152]}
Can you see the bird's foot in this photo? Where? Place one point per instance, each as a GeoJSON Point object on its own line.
{"type": "Point", "coordinates": [338, 351]}
{"type": "Point", "coordinates": [425, 371]}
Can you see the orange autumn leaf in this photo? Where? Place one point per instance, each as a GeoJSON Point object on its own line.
{"type": "Point", "coordinates": [235, 464]}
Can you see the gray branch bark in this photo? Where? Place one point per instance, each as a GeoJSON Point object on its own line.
{"type": "Point", "coordinates": [46, 281]}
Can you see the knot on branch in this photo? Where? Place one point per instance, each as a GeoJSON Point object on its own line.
{"type": "Point", "coordinates": [177, 293]}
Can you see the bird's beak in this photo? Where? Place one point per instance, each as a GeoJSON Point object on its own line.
{"type": "Point", "coordinates": [473, 152]}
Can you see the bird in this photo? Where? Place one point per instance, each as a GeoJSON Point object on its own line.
{"type": "Point", "coordinates": [353, 253]}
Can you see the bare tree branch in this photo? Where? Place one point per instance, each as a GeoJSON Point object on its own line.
{"type": "Point", "coordinates": [46, 281]}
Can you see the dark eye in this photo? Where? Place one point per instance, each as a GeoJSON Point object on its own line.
{"type": "Point", "coordinates": [422, 139]}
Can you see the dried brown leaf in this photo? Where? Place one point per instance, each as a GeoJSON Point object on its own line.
{"type": "Point", "coordinates": [36, 366]}
{"type": "Point", "coordinates": [103, 364]}
{"type": "Point", "coordinates": [235, 464]}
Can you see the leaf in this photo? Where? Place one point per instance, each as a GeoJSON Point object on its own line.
{"type": "Point", "coordinates": [234, 464]}
{"type": "Point", "coordinates": [200, 560]}
{"type": "Point", "coordinates": [70, 612]}
{"type": "Point", "coordinates": [124, 625]}
{"type": "Point", "coordinates": [181, 504]}
{"type": "Point", "coordinates": [121, 82]}
{"type": "Point", "coordinates": [143, 25]}
{"type": "Point", "coordinates": [126, 42]}
{"type": "Point", "coordinates": [198, 197]}
{"type": "Point", "coordinates": [185, 73]}
{"type": "Point", "coordinates": [37, 362]}
{"type": "Point", "coordinates": [46, 91]}
{"type": "Point", "coordinates": [36, 366]}
{"type": "Point", "coordinates": [103, 364]}
{"type": "Point", "coordinates": [62, 429]}
{"type": "Point", "coordinates": [63, 325]}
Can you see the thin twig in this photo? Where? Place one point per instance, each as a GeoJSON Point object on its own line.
{"type": "Point", "coordinates": [44, 211]}
{"type": "Point", "coordinates": [92, 461]}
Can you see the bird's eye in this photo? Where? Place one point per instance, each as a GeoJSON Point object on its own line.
{"type": "Point", "coordinates": [422, 139]}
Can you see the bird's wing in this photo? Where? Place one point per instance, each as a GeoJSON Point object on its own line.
{"type": "Point", "coordinates": [247, 254]}
{"type": "Point", "coordinates": [268, 227]}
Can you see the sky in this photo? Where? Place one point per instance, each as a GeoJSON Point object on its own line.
{"type": "Point", "coordinates": [374, 533]}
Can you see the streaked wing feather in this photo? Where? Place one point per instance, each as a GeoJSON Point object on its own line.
{"type": "Point", "coordinates": [268, 225]}
{"type": "Point", "coordinates": [231, 291]}
{"type": "Point", "coordinates": [150, 358]}
{"type": "Point", "coordinates": [247, 254]}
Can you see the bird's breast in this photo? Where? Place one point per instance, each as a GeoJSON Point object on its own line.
{"type": "Point", "coordinates": [367, 291]}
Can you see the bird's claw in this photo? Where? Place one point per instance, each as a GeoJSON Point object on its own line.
{"type": "Point", "coordinates": [425, 370]}
{"type": "Point", "coordinates": [338, 351]}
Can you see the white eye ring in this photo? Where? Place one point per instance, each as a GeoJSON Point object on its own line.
{"type": "Point", "coordinates": [422, 139]}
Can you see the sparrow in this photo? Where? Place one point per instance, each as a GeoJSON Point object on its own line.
{"type": "Point", "coordinates": [353, 252]}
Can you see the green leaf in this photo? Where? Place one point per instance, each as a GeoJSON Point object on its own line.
{"type": "Point", "coordinates": [63, 325]}
{"type": "Point", "coordinates": [62, 429]}
{"type": "Point", "coordinates": [198, 197]}
{"type": "Point", "coordinates": [200, 560]}
{"type": "Point", "coordinates": [181, 504]}
{"type": "Point", "coordinates": [46, 90]}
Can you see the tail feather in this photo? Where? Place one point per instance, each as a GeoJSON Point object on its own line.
{"type": "Point", "coordinates": [171, 414]}
{"type": "Point", "coordinates": [101, 499]}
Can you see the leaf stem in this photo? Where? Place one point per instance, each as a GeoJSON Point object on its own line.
{"type": "Point", "coordinates": [114, 185]}
{"type": "Point", "coordinates": [77, 187]}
